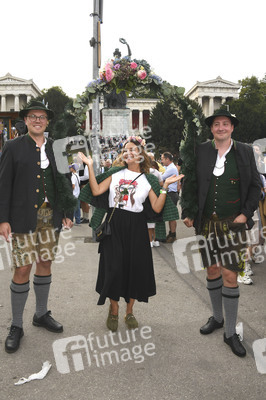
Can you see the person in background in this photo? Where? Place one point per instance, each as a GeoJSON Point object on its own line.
{"type": "Point", "coordinates": [107, 164]}
{"type": "Point", "coordinates": [84, 179]}
{"type": "Point", "coordinates": [161, 168]}
{"type": "Point", "coordinates": [154, 169]}
{"type": "Point", "coordinates": [75, 181]}
{"type": "Point", "coordinates": [170, 169]}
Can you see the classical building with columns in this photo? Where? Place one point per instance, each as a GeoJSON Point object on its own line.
{"type": "Point", "coordinates": [14, 94]}
{"type": "Point", "coordinates": [211, 95]}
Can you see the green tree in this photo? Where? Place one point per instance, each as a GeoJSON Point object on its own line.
{"type": "Point", "coordinates": [167, 126]}
{"type": "Point", "coordinates": [250, 109]}
{"type": "Point", "coordinates": [63, 124]}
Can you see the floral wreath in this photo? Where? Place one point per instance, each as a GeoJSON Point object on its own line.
{"type": "Point", "coordinates": [139, 139]}
{"type": "Point", "coordinates": [132, 77]}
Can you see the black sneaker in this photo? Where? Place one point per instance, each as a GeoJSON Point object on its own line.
{"type": "Point", "coordinates": [13, 339]}
{"type": "Point", "coordinates": [46, 321]}
{"type": "Point", "coordinates": [236, 346]}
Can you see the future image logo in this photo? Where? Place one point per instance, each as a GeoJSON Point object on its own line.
{"type": "Point", "coordinates": [76, 353]}
{"type": "Point", "coordinates": [71, 353]}
{"type": "Point", "coordinates": [186, 253]}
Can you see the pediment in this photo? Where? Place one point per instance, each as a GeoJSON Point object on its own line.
{"type": "Point", "coordinates": [9, 79]}
{"type": "Point", "coordinates": [218, 82]}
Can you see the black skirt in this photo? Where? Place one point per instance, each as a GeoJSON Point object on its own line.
{"type": "Point", "coordinates": [126, 266]}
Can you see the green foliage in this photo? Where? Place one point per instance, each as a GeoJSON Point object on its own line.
{"type": "Point", "coordinates": [168, 119]}
{"type": "Point", "coordinates": [166, 128]}
{"type": "Point", "coordinates": [63, 124]}
{"type": "Point", "coordinates": [250, 109]}
{"type": "Point", "coordinates": [144, 64]}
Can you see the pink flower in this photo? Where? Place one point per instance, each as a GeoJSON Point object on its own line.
{"type": "Point", "coordinates": [109, 74]}
{"type": "Point", "coordinates": [142, 74]}
{"type": "Point", "coordinates": [109, 65]}
{"type": "Point", "coordinates": [117, 66]}
{"type": "Point", "coordinates": [133, 65]}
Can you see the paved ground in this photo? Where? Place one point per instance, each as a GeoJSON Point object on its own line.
{"type": "Point", "coordinates": [166, 358]}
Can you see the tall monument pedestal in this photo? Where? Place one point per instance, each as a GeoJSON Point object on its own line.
{"type": "Point", "coordinates": [116, 121]}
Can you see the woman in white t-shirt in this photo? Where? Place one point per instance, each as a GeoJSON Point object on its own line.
{"type": "Point", "coordinates": [126, 266]}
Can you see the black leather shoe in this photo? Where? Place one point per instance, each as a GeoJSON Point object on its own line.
{"type": "Point", "coordinates": [236, 346]}
{"type": "Point", "coordinates": [211, 325]}
{"type": "Point", "coordinates": [47, 322]}
{"type": "Point", "coordinates": [13, 339]}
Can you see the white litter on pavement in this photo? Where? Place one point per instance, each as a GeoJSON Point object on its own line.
{"type": "Point", "coordinates": [40, 375]}
{"type": "Point", "coordinates": [239, 330]}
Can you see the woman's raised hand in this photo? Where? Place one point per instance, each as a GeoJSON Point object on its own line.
{"type": "Point", "coordinates": [173, 179]}
{"type": "Point", "coordinates": [87, 160]}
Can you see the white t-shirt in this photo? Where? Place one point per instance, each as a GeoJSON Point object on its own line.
{"type": "Point", "coordinates": [137, 192]}
{"type": "Point", "coordinates": [75, 181]}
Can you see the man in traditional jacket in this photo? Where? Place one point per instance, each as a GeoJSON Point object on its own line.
{"type": "Point", "coordinates": [35, 202]}
{"type": "Point", "coordinates": [228, 192]}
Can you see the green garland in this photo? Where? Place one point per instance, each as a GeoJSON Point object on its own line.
{"type": "Point", "coordinates": [180, 107]}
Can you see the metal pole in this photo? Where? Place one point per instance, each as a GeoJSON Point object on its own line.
{"type": "Point", "coordinates": [94, 136]}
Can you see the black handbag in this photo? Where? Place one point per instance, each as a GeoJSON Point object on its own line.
{"type": "Point", "coordinates": [104, 229]}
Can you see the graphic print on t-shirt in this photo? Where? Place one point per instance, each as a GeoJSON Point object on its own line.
{"type": "Point", "coordinates": [125, 191]}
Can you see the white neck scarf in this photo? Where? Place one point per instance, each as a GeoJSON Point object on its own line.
{"type": "Point", "coordinates": [220, 161]}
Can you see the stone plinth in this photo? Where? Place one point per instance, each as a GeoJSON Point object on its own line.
{"type": "Point", "coordinates": [116, 121]}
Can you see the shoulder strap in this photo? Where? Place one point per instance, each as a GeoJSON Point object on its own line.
{"type": "Point", "coordinates": [136, 178]}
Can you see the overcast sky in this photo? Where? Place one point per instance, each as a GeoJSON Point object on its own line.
{"type": "Point", "coordinates": [183, 41]}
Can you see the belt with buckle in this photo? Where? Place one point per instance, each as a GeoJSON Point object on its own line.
{"type": "Point", "coordinates": [214, 217]}
{"type": "Point", "coordinates": [45, 204]}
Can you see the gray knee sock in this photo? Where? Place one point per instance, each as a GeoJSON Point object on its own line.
{"type": "Point", "coordinates": [230, 299]}
{"type": "Point", "coordinates": [19, 295]}
{"type": "Point", "coordinates": [41, 288]}
{"type": "Point", "coordinates": [215, 291]}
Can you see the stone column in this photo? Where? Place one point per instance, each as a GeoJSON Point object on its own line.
{"type": "Point", "coordinates": [140, 121]}
{"type": "Point", "coordinates": [200, 100]}
{"type": "Point", "coordinates": [130, 122]}
{"type": "Point", "coordinates": [16, 104]}
{"type": "Point", "coordinates": [211, 103]}
{"type": "Point", "coordinates": [3, 103]}
{"type": "Point", "coordinates": [28, 98]}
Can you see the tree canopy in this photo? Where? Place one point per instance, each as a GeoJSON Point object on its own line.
{"type": "Point", "coordinates": [63, 124]}
{"type": "Point", "coordinates": [250, 109]}
{"type": "Point", "coordinates": [167, 123]}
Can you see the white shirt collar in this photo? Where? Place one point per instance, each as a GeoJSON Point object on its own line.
{"type": "Point", "coordinates": [220, 161]}
{"type": "Point", "coordinates": [44, 159]}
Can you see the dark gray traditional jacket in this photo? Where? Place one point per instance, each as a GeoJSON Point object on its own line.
{"type": "Point", "coordinates": [250, 188]}
{"type": "Point", "coordinates": [20, 173]}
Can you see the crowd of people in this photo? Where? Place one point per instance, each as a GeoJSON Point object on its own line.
{"type": "Point", "coordinates": [138, 196]}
